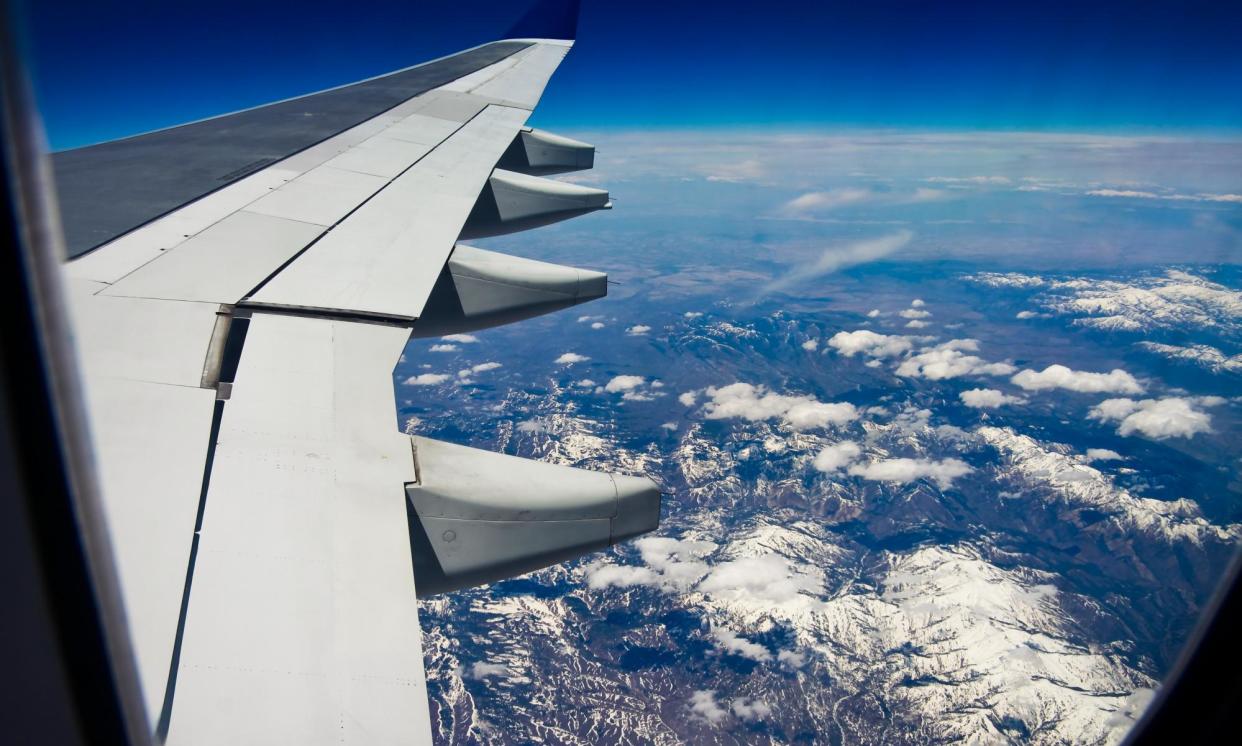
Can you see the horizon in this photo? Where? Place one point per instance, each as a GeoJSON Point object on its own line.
{"type": "Point", "coordinates": [1134, 70]}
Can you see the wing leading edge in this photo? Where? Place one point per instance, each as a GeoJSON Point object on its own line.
{"type": "Point", "coordinates": [273, 526]}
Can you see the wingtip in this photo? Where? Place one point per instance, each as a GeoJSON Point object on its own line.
{"type": "Point", "coordinates": [548, 19]}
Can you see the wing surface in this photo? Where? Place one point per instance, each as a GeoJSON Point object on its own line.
{"type": "Point", "coordinates": [244, 289]}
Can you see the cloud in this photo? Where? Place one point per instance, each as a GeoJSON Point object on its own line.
{"type": "Point", "coordinates": [752, 710]}
{"type": "Point", "coordinates": [873, 313]}
{"type": "Point", "coordinates": [692, 314]}
{"type": "Point", "coordinates": [532, 426]}
{"type": "Point", "coordinates": [1172, 417]}
{"type": "Point", "coordinates": [669, 564]}
{"type": "Point", "coordinates": [671, 426]}
{"type": "Point", "coordinates": [791, 658]}
{"type": "Point", "coordinates": [916, 324]}
{"type": "Point", "coordinates": [598, 325]}
{"type": "Point", "coordinates": [426, 379]}
{"type": "Point", "coordinates": [621, 576]}
{"type": "Point", "coordinates": [914, 313]}
{"type": "Point", "coordinates": [623, 383]}
{"type": "Point", "coordinates": [1103, 454]}
{"type": "Point", "coordinates": [968, 179]}
{"type": "Point", "coordinates": [840, 257]}
{"type": "Point", "coordinates": [687, 398]}
{"type": "Point", "coordinates": [703, 707]}
{"type": "Point", "coordinates": [1116, 381]}
{"type": "Point", "coordinates": [733, 173]}
{"type": "Point", "coordinates": [768, 577]}
{"type": "Point", "coordinates": [569, 358]}
{"type": "Point", "coordinates": [481, 670]}
{"type": "Point", "coordinates": [444, 348]}
{"type": "Point", "coordinates": [465, 373]}
{"type": "Point", "coordinates": [1201, 197]}
{"type": "Point", "coordinates": [837, 456]}
{"type": "Point", "coordinates": [818, 201]}
{"type": "Point", "coordinates": [585, 383]}
{"type": "Point", "coordinates": [462, 338]}
{"type": "Point", "coordinates": [869, 343]}
{"type": "Point", "coordinates": [906, 470]}
{"type": "Point", "coordinates": [988, 398]}
{"type": "Point", "coordinates": [638, 329]}
{"type": "Point", "coordinates": [806, 206]}
{"type": "Point", "coordinates": [754, 403]}
{"type": "Point", "coordinates": [728, 641]}
{"type": "Point", "coordinates": [917, 303]}
{"type": "Point", "coordinates": [947, 360]}
{"type": "Point", "coordinates": [811, 345]}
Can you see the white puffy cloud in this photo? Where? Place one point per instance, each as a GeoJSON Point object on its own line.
{"type": "Point", "coordinates": [597, 325]}
{"type": "Point", "coordinates": [750, 402]}
{"type": "Point", "coordinates": [669, 564]}
{"type": "Point", "coordinates": [811, 345]}
{"type": "Point", "coordinates": [1172, 417]}
{"type": "Point", "coordinates": [728, 641]}
{"type": "Point", "coordinates": [949, 360]}
{"type": "Point", "coordinates": [791, 658]}
{"type": "Point", "coordinates": [1103, 454]}
{"type": "Point", "coordinates": [670, 426]}
{"type": "Point", "coordinates": [750, 710]}
{"type": "Point", "coordinates": [873, 313]}
{"type": "Point", "coordinates": [1116, 381]}
{"type": "Point", "coordinates": [570, 358]}
{"type": "Point", "coordinates": [465, 373]}
{"type": "Point", "coordinates": [481, 670]}
{"type": "Point", "coordinates": [837, 456]}
{"type": "Point", "coordinates": [869, 343]}
{"type": "Point", "coordinates": [906, 470]}
{"type": "Point", "coordinates": [445, 348]}
{"type": "Point", "coordinates": [687, 398]}
{"type": "Point", "coordinates": [585, 383]}
{"type": "Point", "coordinates": [768, 577]}
{"type": "Point", "coordinates": [462, 338]}
{"type": "Point", "coordinates": [704, 707]}
{"type": "Point", "coordinates": [638, 329]}
{"type": "Point", "coordinates": [916, 324]}
{"type": "Point", "coordinates": [623, 383]}
{"type": "Point", "coordinates": [988, 398]}
{"type": "Point", "coordinates": [692, 314]}
{"type": "Point", "coordinates": [840, 257]}
{"type": "Point", "coordinates": [426, 379]}
{"type": "Point", "coordinates": [918, 303]}
{"type": "Point", "coordinates": [621, 576]}
{"type": "Point", "coordinates": [914, 313]}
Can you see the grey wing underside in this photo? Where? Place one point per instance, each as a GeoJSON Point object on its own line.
{"type": "Point", "coordinates": [239, 321]}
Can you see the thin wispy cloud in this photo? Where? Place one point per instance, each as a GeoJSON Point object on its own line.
{"type": "Point", "coordinates": [839, 257]}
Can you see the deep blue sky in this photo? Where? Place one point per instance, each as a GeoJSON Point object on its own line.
{"type": "Point", "coordinates": [107, 69]}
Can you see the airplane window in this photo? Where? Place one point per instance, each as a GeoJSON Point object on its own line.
{"type": "Point", "coordinates": [926, 322]}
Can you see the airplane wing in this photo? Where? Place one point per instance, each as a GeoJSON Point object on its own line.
{"type": "Point", "coordinates": [242, 288]}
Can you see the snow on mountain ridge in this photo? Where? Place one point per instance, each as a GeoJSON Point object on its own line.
{"type": "Point", "coordinates": [1176, 300]}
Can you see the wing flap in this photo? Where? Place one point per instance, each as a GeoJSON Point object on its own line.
{"type": "Point", "coordinates": [302, 622]}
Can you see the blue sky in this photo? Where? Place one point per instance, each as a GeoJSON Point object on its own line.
{"type": "Point", "coordinates": [107, 69]}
